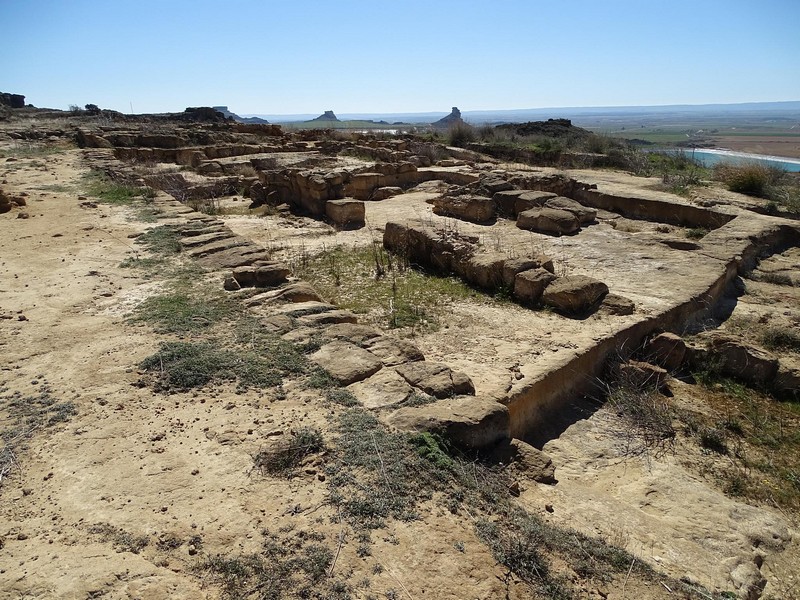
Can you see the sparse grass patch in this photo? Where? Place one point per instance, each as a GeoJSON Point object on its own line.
{"type": "Point", "coordinates": [104, 189]}
{"type": "Point", "coordinates": [208, 206]}
{"type": "Point", "coordinates": [286, 566]}
{"type": "Point", "coordinates": [284, 457]}
{"type": "Point", "coordinates": [342, 397]}
{"type": "Point", "coordinates": [780, 338]}
{"type": "Point", "coordinates": [181, 366]}
{"type": "Point", "coordinates": [54, 187]}
{"type": "Point", "coordinates": [713, 439]}
{"type": "Point", "coordinates": [34, 149]}
{"type": "Point", "coordinates": [679, 172]}
{"type": "Point", "coordinates": [164, 239]}
{"type": "Point", "coordinates": [185, 310]}
{"type": "Point", "coordinates": [21, 417]}
{"type": "Point", "coordinates": [320, 379]}
{"type": "Point", "coordinates": [774, 337]}
{"type": "Point", "coordinates": [372, 282]}
{"type": "Point", "coordinates": [123, 541]}
{"type": "Point", "coordinates": [647, 416]}
{"type": "Point", "coordinates": [418, 399]}
{"type": "Point", "coordinates": [162, 243]}
{"type": "Point", "coordinates": [145, 264]}
{"type": "Point", "coordinates": [376, 475]}
{"type": "Point", "coordinates": [759, 437]}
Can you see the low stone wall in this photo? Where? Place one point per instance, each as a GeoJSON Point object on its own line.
{"type": "Point", "coordinates": [548, 388]}
{"type": "Point", "coordinates": [650, 209]}
{"type": "Point", "coordinates": [530, 279]}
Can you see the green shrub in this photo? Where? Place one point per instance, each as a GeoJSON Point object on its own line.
{"type": "Point", "coordinates": [752, 179]}
{"type": "Point", "coordinates": [429, 447]}
{"type": "Point", "coordinates": [461, 134]}
{"type": "Point", "coordinates": [696, 233]}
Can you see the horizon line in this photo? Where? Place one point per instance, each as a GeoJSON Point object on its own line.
{"type": "Point", "coordinates": [499, 110]}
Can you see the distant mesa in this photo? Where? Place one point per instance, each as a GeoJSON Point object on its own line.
{"type": "Point", "coordinates": [229, 115]}
{"type": "Point", "coordinates": [551, 128]}
{"type": "Point", "coordinates": [200, 113]}
{"type": "Point", "coordinates": [452, 119]}
{"type": "Point", "coordinates": [326, 116]}
{"type": "Point", "coordinates": [12, 100]}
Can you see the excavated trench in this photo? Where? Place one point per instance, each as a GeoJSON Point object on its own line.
{"type": "Point", "coordinates": [550, 398]}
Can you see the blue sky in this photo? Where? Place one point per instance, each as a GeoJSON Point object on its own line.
{"type": "Point", "coordinates": [302, 56]}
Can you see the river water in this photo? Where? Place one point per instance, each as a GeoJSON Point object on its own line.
{"type": "Point", "coordinates": [709, 158]}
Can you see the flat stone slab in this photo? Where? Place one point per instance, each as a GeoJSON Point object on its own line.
{"type": "Point", "coordinates": [548, 220]}
{"type": "Point", "coordinates": [393, 351]}
{"type": "Point", "coordinates": [346, 213]}
{"type": "Point", "coordinates": [328, 318]}
{"type": "Point", "coordinates": [301, 309]}
{"type": "Point", "coordinates": [739, 359]}
{"type": "Point", "coordinates": [505, 202]}
{"type": "Point", "coordinates": [531, 199]}
{"type": "Point", "coordinates": [383, 193]}
{"type": "Point", "coordinates": [468, 422]}
{"type": "Point", "coordinates": [583, 213]}
{"type": "Point", "coordinates": [574, 294]}
{"type": "Point", "coordinates": [296, 292]}
{"type": "Point", "coordinates": [514, 266]}
{"type": "Point", "coordinates": [204, 230]}
{"type": "Point", "coordinates": [351, 332]}
{"type": "Point", "coordinates": [219, 246]}
{"type": "Point", "coordinates": [346, 363]}
{"type": "Point", "coordinates": [495, 184]}
{"type": "Point", "coordinates": [384, 388]}
{"type": "Point", "coordinates": [618, 305]}
{"type": "Point", "coordinates": [485, 270]}
{"type": "Point", "coordinates": [530, 285]}
{"type": "Point", "coordinates": [262, 275]}
{"type": "Point", "coordinates": [527, 460]}
{"type": "Point", "coordinates": [477, 209]}
{"type": "Point", "coordinates": [239, 256]}
{"type": "Point", "coordinates": [436, 379]}
{"type": "Point", "coordinates": [206, 238]}
{"type": "Point", "coordinates": [667, 350]}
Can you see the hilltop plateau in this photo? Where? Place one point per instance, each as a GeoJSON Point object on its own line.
{"type": "Point", "coordinates": [247, 361]}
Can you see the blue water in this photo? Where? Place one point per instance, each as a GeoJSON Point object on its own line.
{"type": "Point", "coordinates": [709, 158]}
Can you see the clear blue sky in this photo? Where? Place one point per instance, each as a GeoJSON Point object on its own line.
{"type": "Point", "coordinates": [303, 56]}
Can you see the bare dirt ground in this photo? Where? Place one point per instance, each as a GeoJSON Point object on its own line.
{"type": "Point", "coordinates": [129, 493]}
